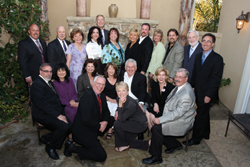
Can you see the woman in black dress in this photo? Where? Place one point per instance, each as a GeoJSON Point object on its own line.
{"type": "Point", "coordinates": [111, 74]}
{"type": "Point", "coordinates": [160, 90]}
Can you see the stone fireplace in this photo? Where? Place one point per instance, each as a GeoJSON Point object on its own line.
{"type": "Point", "coordinates": [122, 24]}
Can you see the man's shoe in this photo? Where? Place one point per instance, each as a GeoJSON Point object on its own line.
{"type": "Point", "coordinates": [44, 140]}
{"type": "Point", "coordinates": [191, 142]}
{"type": "Point", "coordinates": [140, 136]}
{"type": "Point", "coordinates": [152, 160]}
{"type": "Point", "coordinates": [51, 152]}
{"type": "Point", "coordinates": [68, 148]}
{"type": "Point", "coordinates": [173, 149]}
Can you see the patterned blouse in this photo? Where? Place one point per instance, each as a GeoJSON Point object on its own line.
{"type": "Point", "coordinates": [111, 54]}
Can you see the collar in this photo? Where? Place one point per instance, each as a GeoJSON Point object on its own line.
{"type": "Point", "coordinates": [60, 40]}
{"type": "Point", "coordinates": [206, 54]}
{"type": "Point", "coordinates": [179, 88]}
{"type": "Point", "coordinates": [34, 39]}
{"type": "Point", "coordinates": [47, 82]}
{"type": "Point", "coordinates": [126, 74]}
{"type": "Point", "coordinates": [195, 46]}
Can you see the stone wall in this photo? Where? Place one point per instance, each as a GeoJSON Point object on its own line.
{"type": "Point", "coordinates": [123, 26]}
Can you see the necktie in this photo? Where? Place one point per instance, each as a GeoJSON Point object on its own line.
{"type": "Point", "coordinates": [100, 103]}
{"type": "Point", "coordinates": [174, 91]}
{"type": "Point", "coordinates": [41, 50]}
{"type": "Point", "coordinates": [203, 59]}
{"type": "Point", "coordinates": [64, 46]}
{"type": "Point", "coordinates": [51, 86]}
{"type": "Point", "coordinates": [190, 52]}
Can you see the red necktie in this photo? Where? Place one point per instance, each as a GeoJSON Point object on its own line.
{"type": "Point", "coordinates": [41, 50]}
{"type": "Point", "coordinates": [100, 103]}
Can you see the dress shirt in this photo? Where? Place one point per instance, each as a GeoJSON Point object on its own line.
{"type": "Point", "coordinates": [103, 37]}
{"type": "Point", "coordinates": [179, 88]}
{"type": "Point", "coordinates": [128, 80]}
{"type": "Point", "coordinates": [206, 54]}
{"type": "Point", "coordinates": [94, 51]}
{"type": "Point", "coordinates": [61, 42]}
{"type": "Point", "coordinates": [141, 39]}
{"type": "Point", "coordinates": [192, 49]}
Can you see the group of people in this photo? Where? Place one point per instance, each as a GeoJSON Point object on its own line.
{"type": "Point", "coordinates": [99, 88]}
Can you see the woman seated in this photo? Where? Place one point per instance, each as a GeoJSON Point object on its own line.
{"type": "Point", "coordinates": [85, 80]}
{"type": "Point", "coordinates": [113, 52]}
{"type": "Point", "coordinates": [94, 47]}
{"type": "Point", "coordinates": [66, 90]}
{"type": "Point", "coordinates": [110, 73]}
{"type": "Point", "coordinates": [160, 91]}
{"type": "Point", "coordinates": [130, 120]}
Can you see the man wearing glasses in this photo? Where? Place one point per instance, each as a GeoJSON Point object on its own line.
{"type": "Point", "coordinates": [177, 118]}
{"type": "Point", "coordinates": [48, 111]}
{"type": "Point", "coordinates": [207, 74]}
{"type": "Point", "coordinates": [92, 120]}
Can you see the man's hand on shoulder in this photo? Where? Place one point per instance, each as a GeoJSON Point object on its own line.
{"type": "Point", "coordinates": [28, 80]}
{"type": "Point", "coordinates": [62, 118]}
{"type": "Point", "coordinates": [207, 99]}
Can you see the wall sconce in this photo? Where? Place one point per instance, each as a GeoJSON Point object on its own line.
{"type": "Point", "coordinates": [241, 19]}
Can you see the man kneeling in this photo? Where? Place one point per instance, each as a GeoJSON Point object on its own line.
{"type": "Point", "coordinates": [92, 120]}
{"type": "Point", "coordinates": [177, 118]}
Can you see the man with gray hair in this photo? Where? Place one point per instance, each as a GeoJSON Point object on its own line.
{"type": "Point", "coordinates": [58, 47]}
{"type": "Point", "coordinates": [100, 22]}
{"type": "Point", "coordinates": [177, 118]}
{"type": "Point", "coordinates": [190, 52]}
{"type": "Point", "coordinates": [92, 120]}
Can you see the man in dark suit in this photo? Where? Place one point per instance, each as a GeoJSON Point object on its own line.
{"type": "Point", "coordinates": [137, 85]}
{"type": "Point", "coordinates": [207, 74]}
{"type": "Point", "coordinates": [100, 22]}
{"type": "Point", "coordinates": [190, 52]}
{"type": "Point", "coordinates": [57, 48]}
{"type": "Point", "coordinates": [174, 54]}
{"type": "Point", "coordinates": [177, 118]}
{"type": "Point", "coordinates": [48, 111]}
{"type": "Point", "coordinates": [145, 49]}
{"type": "Point", "coordinates": [92, 120]}
{"type": "Point", "coordinates": [32, 52]}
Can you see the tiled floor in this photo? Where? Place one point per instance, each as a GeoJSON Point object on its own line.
{"type": "Point", "coordinates": [19, 147]}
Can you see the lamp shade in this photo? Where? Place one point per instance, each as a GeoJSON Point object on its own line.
{"type": "Point", "coordinates": [240, 22]}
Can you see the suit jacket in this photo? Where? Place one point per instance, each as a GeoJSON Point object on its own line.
{"type": "Point", "coordinates": [138, 85]}
{"type": "Point", "coordinates": [131, 52]}
{"type": "Point", "coordinates": [174, 59]}
{"type": "Point", "coordinates": [188, 63]}
{"type": "Point", "coordinates": [83, 84]}
{"type": "Point", "coordinates": [131, 111]}
{"type": "Point", "coordinates": [29, 57]}
{"type": "Point", "coordinates": [206, 78]}
{"type": "Point", "coordinates": [106, 37]}
{"type": "Point", "coordinates": [88, 116]}
{"type": "Point", "coordinates": [46, 103]}
{"type": "Point", "coordinates": [56, 53]}
{"type": "Point", "coordinates": [178, 113]}
{"type": "Point", "coordinates": [143, 55]}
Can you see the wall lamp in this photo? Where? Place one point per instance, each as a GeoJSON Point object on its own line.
{"type": "Point", "coordinates": [241, 19]}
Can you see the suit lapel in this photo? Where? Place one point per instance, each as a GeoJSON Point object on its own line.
{"type": "Point", "coordinates": [33, 45]}
{"type": "Point", "coordinates": [59, 46]}
{"type": "Point", "coordinates": [209, 57]}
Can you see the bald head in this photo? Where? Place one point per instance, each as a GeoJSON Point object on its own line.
{"type": "Point", "coordinates": [61, 33]}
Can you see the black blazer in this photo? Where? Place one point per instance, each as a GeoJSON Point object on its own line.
{"type": "Point", "coordinates": [56, 53]}
{"type": "Point", "coordinates": [29, 57]}
{"type": "Point", "coordinates": [88, 116]}
{"type": "Point", "coordinates": [206, 78]}
{"type": "Point", "coordinates": [144, 53]}
{"type": "Point", "coordinates": [46, 103]}
{"type": "Point", "coordinates": [188, 63]}
{"type": "Point", "coordinates": [138, 85]}
{"type": "Point", "coordinates": [106, 37]}
{"type": "Point", "coordinates": [131, 52]}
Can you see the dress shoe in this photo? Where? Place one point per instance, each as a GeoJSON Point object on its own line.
{"type": "Point", "coordinates": [140, 136]}
{"type": "Point", "coordinates": [51, 152]}
{"type": "Point", "coordinates": [173, 149]}
{"type": "Point", "coordinates": [68, 148]}
{"type": "Point", "coordinates": [44, 140]}
{"type": "Point", "coordinates": [191, 142]}
{"type": "Point", "coordinates": [152, 160]}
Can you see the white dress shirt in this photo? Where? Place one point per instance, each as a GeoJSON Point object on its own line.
{"type": "Point", "coordinates": [94, 51]}
{"type": "Point", "coordinates": [128, 80]}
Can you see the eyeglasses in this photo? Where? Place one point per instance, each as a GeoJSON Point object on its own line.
{"type": "Point", "coordinates": [180, 77]}
{"type": "Point", "coordinates": [203, 41]}
{"type": "Point", "coordinates": [99, 84]}
{"type": "Point", "coordinates": [46, 71]}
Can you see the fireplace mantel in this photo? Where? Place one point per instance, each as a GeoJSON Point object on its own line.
{"type": "Point", "coordinates": [122, 24]}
